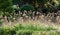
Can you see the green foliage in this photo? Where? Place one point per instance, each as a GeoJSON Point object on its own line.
{"type": "Point", "coordinates": [41, 1]}
{"type": "Point", "coordinates": [33, 28]}
{"type": "Point", "coordinates": [18, 27]}
{"type": "Point", "coordinates": [1, 31]}
{"type": "Point", "coordinates": [9, 9]}
{"type": "Point", "coordinates": [1, 22]}
{"type": "Point", "coordinates": [16, 1]}
{"type": "Point", "coordinates": [27, 30]}
{"type": "Point", "coordinates": [5, 4]}
{"type": "Point", "coordinates": [6, 7]}
{"type": "Point", "coordinates": [24, 32]}
{"type": "Point", "coordinates": [54, 2]}
{"type": "Point", "coordinates": [27, 7]}
{"type": "Point", "coordinates": [14, 6]}
{"type": "Point", "coordinates": [7, 31]}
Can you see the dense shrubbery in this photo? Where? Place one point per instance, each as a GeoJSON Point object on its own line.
{"type": "Point", "coordinates": [27, 30]}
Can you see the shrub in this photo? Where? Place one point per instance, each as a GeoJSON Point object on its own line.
{"type": "Point", "coordinates": [27, 7]}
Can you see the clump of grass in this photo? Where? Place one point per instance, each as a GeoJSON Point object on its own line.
{"type": "Point", "coordinates": [24, 32]}
{"type": "Point", "coordinates": [46, 33]}
{"type": "Point", "coordinates": [35, 28]}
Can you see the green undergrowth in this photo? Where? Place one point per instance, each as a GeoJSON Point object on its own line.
{"type": "Point", "coordinates": [28, 30]}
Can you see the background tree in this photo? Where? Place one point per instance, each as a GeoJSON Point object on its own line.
{"type": "Point", "coordinates": [5, 6]}
{"type": "Point", "coordinates": [36, 3]}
